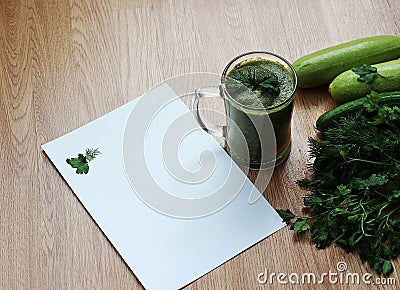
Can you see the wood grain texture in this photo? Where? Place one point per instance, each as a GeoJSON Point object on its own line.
{"type": "Point", "coordinates": [65, 63]}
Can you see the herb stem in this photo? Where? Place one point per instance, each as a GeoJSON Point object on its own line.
{"type": "Point", "coordinates": [363, 160]}
{"type": "Point", "coordinates": [363, 216]}
{"type": "Point", "coordinates": [391, 212]}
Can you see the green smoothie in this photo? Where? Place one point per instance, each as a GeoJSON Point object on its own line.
{"type": "Point", "coordinates": [259, 88]}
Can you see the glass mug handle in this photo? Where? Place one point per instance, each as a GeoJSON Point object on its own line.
{"type": "Point", "coordinates": [202, 93]}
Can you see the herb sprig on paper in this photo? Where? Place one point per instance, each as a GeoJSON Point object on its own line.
{"type": "Point", "coordinates": [354, 198]}
{"type": "Point", "coordinates": [81, 163]}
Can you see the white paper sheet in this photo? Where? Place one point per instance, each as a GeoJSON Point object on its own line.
{"type": "Point", "coordinates": [164, 245]}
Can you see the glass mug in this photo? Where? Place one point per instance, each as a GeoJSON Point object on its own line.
{"type": "Point", "coordinates": [257, 132]}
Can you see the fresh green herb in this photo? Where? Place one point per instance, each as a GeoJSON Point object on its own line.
{"type": "Point", "coordinates": [270, 85]}
{"type": "Point", "coordinates": [255, 78]}
{"type": "Point", "coordinates": [286, 215]}
{"type": "Point", "coordinates": [81, 163]}
{"type": "Point", "coordinates": [300, 225]}
{"type": "Point", "coordinates": [91, 154]}
{"type": "Point", "coordinates": [367, 73]}
{"type": "Point", "coordinates": [385, 114]}
{"type": "Point", "coordinates": [354, 198]}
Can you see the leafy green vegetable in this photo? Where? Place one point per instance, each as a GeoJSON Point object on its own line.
{"type": "Point", "coordinates": [270, 85]}
{"type": "Point", "coordinates": [255, 78]}
{"type": "Point", "coordinates": [286, 215]}
{"type": "Point", "coordinates": [300, 225]}
{"type": "Point", "coordinates": [81, 162]}
{"type": "Point", "coordinates": [384, 114]}
{"type": "Point", "coordinates": [366, 72]}
{"type": "Point", "coordinates": [354, 193]}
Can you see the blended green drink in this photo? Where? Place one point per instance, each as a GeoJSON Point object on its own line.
{"type": "Point", "coordinates": [259, 90]}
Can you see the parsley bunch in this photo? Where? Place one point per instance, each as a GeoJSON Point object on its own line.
{"type": "Point", "coordinates": [354, 198]}
{"type": "Point", "coordinates": [366, 73]}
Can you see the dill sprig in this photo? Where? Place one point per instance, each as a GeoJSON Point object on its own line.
{"type": "Point", "coordinates": [91, 154]}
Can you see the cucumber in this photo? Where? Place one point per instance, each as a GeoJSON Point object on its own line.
{"type": "Point", "coordinates": [329, 118]}
{"type": "Point", "coordinates": [345, 87]}
{"type": "Point", "coordinates": [322, 66]}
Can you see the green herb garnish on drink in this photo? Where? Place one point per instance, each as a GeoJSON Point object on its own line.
{"type": "Point", "coordinates": [259, 83]}
{"type": "Point", "coordinates": [263, 89]}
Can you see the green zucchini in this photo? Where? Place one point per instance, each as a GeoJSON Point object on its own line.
{"type": "Point", "coordinates": [329, 118]}
{"type": "Point", "coordinates": [322, 66]}
{"type": "Point", "coordinates": [345, 87]}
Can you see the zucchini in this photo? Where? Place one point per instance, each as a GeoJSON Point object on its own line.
{"type": "Point", "coordinates": [322, 66]}
{"type": "Point", "coordinates": [345, 87]}
{"type": "Point", "coordinates": [329, 118]}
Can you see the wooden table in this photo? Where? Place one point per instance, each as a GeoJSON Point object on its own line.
{"type": "Point", "coordinates": [65, 63]}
